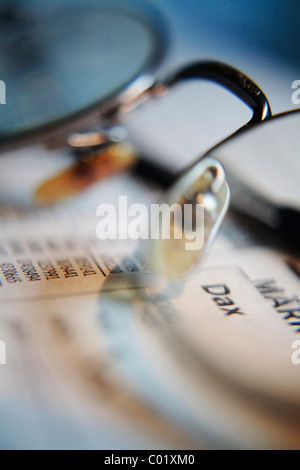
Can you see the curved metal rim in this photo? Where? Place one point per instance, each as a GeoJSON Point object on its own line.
{"type": "Point", "coordinates": [249, 129]}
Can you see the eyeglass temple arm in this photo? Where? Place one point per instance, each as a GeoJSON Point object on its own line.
{"type": "Point", "coordinates": [226, 75]}
{"type": "Point", "coordinates": [232, 79]}
{"type": "Point", "coordinates": [229, 77]}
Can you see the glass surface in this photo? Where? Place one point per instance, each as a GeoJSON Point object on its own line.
{"type": "Point", "coordinates": [60, 63]}
{"type": "Point", "coordinates": [266, 160]}
{"type": "Point", "coordinates": [256, 344]}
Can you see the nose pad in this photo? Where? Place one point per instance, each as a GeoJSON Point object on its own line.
{"type": "Point", "coordinates": [191, 213]}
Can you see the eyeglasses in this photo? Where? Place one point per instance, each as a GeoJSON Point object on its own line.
{"type": "Point", "coordinates": [70, 77]}
{"type": "Point", "coordinates": [86, 72]}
